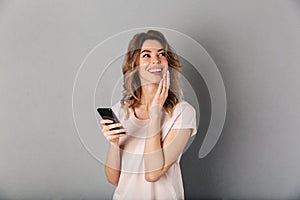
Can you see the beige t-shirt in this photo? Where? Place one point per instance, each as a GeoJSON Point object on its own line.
{"type": "Point", "coordinates": [132, 184]}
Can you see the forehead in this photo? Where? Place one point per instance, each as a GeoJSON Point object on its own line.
{"type": "Point", "coordinates": [152, 44]}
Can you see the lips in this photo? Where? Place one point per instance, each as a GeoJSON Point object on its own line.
{"type": "Point", "coordinates": [155, 69]}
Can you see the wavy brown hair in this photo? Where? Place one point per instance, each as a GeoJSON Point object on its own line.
{"type": "Point", "coordinates": [132, 85]}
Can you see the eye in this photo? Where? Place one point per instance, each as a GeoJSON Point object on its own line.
{"type": "Point", "coordinates": [162, 54]}
{"type": "Point", "coordinates": [146, 55]}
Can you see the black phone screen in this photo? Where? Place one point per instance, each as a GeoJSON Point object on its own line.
{"type": "Point", "coordinates": [108, 113]}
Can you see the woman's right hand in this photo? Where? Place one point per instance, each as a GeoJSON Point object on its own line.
{"type": "Point", "coordinates": [112, 135]}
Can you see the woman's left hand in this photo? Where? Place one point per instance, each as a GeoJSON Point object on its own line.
{"type": "Point", "coordinates": [160, 96]}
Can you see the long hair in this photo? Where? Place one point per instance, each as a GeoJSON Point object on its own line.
{"type": "Point", "coordinates": [132, 85]}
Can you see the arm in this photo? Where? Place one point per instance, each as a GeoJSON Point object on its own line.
{"type": "Point", "coordinates": [113, 161]}
{"type": "Point", "coordinates": [159, 156]}
{"type": "Point", "coordinates": [112, 166]}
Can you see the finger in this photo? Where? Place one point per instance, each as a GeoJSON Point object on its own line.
{"type": "Point", "coordinates": [168, 79]}
{"type": "Point", "coordinates": [160, 86]}
{"type": "Point", "coordinates": [115, 132]}
{"type": "Point", "coordinates": [115, 125]}
{"type": "Point", "coordinates": [113, 137]}
{"type": "Point", "coordinates": [161, 82]}
{"type": "Point", "coordinates": [105, 129]}
{"type": "Point", "coordinates": [164, 83]}
{"type": "Point", "coordinates": [163, 90]}
{"type": "Point", "coordinates": [120, 131]}
{"type": "Point", "coordinates": [106, 121]}
{"type": "Point", "coordinates": [167, 83]}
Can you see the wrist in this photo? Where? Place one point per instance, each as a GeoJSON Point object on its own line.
{"type": "Point", "coordinates": [115, 142]}
{"type": "Point", "coordinates": [154, 127]}
{"type": "Point", "coordinates": [155, 112]}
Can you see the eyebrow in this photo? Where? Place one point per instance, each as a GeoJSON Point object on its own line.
{"type": "Point", "coordinates": [146, 50]}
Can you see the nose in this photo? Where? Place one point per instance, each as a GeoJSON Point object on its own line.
{"type": "Point", "coordinates": [155, 60]}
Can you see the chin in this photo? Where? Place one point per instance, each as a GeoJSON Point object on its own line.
{"type": "Point", "coordinates": [156, 80]}
{"type": "Point", "coordinates": [148, 82]}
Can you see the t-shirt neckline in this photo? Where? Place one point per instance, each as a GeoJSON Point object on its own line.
{"type": "Point", "coordinates": [140, 122]}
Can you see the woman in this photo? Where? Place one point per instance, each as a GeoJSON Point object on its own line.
{"type": "Point", "coordinates": [144, 162]}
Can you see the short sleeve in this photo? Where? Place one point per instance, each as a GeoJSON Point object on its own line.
{"type": "Point", "coordinates": [116, 108]}
{"type": "Point", "coordinates": [185, 117]}
{"type": "Point", "coordinates": [120, 113]}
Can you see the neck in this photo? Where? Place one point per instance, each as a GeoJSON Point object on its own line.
{"type": "Point", "coordinates": [148, 93]}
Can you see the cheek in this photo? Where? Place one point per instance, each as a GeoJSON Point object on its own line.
{"type": "Point", "coordinates": [143, 62]}
{"type": "Point", "coordinates": [165, 62]}
{"type": "Point", "coordinates": [142, 65]}
{"type": "Point", "coordinates": [141, 69]}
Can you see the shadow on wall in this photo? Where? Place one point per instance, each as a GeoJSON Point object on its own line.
{"type": "Point", "coordinates": [190, 163]}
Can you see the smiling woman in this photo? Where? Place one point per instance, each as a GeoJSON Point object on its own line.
{"type": "Point", "coordinates": [140, 54]}
{"type": "Point", "coordinates": [144, 162]}
{"type": "Point", "coordinates": [152, 62]}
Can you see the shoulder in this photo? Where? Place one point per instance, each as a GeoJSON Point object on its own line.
{"type": "Point", "coordinates": [118, 110]}
{"type": "Point", "coordinates": [183, 107]}
{"type": "Point", "coordinates": [116, 107]}
{"type": "Point", "coordinates": [183, 117]}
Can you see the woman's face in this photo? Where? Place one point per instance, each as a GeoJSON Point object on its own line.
{"type": "Point", "coordinates": [152, 62]}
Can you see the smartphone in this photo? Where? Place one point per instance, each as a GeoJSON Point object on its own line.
{"type": "Point", "coordinates": [108, 113]}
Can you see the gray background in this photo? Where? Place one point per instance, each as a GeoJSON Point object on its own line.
{"type": "Point", "coordinates": [255, 44]}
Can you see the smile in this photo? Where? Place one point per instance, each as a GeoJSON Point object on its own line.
{"type": "Point", "coordinates": [155, 70]}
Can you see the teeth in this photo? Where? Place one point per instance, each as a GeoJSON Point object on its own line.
{"type": "Point", "coordinates": [155, 70]}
